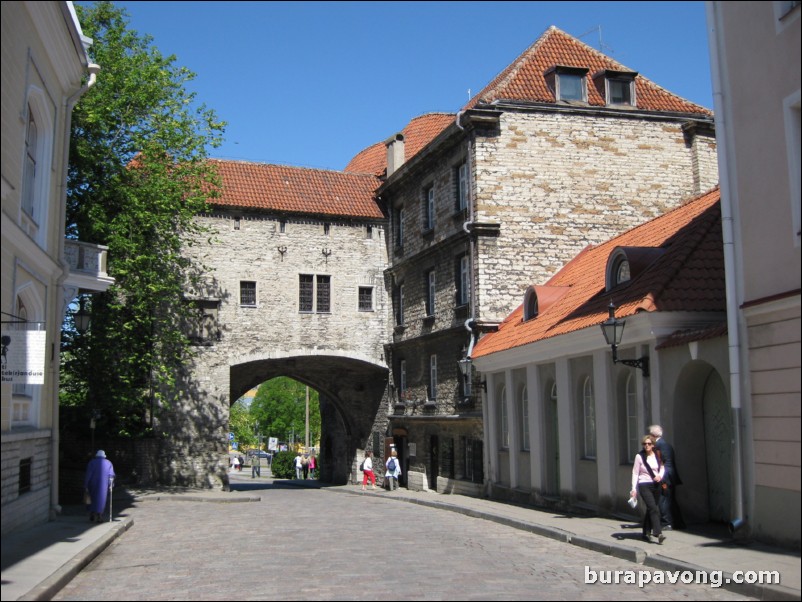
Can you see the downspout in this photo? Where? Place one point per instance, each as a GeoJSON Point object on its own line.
{"type": "Point", "coordinates": [732, 272]}
{"type": "Point", "coordinates": [69, 105]}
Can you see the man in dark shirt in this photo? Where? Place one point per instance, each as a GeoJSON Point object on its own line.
{"type": "Point", "coordinates": [671, 479]}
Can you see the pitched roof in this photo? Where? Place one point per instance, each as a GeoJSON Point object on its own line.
{"type": "Point", "coordinates": [688, 276]}
{"type": "Point", "coordinates": [285, 189]}
{"type": "Point", "coordinates": [419, 132]}
{"type": "Point", "coordinates": [524, 79]}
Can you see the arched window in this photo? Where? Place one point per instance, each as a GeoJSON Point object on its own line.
{"type": "Point", "coordinates": [589, 423]}
{"type": "Point", "coordinates": [29, 169]}
{"type": "Point", "coordinates": [34, 194]}
{"type": "Point", "coordinates": [505, 427]}
{"type": "Point", "coordinates": [524, 402]}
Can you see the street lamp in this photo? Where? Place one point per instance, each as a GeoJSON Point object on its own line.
{"type": "Point", "coordinates": [613, 331]}
{"type": "Point", "coordinates": [82, 317]}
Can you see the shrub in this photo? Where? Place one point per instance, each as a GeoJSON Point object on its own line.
{"type": "Point", "coordinates": [283, 466]}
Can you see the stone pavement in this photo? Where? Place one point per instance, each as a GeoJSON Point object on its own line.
{"type": "Point", "coordinates": [38, 562]}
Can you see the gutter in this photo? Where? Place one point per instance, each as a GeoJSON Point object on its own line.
{"type": "Point", "coordinates": [729, 196]}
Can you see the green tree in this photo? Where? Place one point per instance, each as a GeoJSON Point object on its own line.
{"type": "Point", "coordinates": [243, 425]}
{"type": "Point", "coordinates": [279, 408]}
{"type": "Point", "coordinates": [137, 177]}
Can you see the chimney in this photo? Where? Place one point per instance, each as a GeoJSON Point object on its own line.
{"type": "Point", "coordinates": [395, 153]}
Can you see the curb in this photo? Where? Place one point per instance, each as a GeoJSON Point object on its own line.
{"type": "Point", "coordinates": [53, 584]}
{"type": "Point", "coordinates": [196, 498]}
{"type": "Point", "coordinates": [630, 553]}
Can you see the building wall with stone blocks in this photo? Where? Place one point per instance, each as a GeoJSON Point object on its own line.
{"type": "Point", "coordinates": [25, 508]}
{"type": "Point", "coordinates": [557, 182]}
{"type": "Point", "coordinates": [257, 329]}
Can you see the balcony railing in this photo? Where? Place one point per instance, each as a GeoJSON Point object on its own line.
{"type": "Point", "coordinates": [88, 265]}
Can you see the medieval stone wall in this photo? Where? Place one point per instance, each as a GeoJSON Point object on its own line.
{"type": "Point", "coordinates": [558, 182]}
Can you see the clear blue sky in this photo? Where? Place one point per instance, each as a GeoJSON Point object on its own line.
{"type": "Point", "coordinates": [313, 83]}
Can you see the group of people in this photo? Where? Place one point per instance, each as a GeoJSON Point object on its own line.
{"type": "Point", "coordinates": [305, 466]}
{"type": "Point", "coordinates": [237, 462]}
{"type": "Point", "coordinates": [392, 471]}
{"type": "Point", "coordinates": [654, 476]}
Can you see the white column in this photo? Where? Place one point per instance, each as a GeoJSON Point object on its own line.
{"type": "Point", "coordinates": [604, 400]}
{"type": "Point", "coordinates": [537, 429]}
{"type": "Point", "coordinates": [491, 431]}
{"type": "Point", "coordinates": [512, 428]}
{"type": "Point", "coordinates": [566, 412]}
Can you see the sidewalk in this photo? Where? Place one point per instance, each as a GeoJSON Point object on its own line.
{"type": "Point", "coordinates": [38, 562]}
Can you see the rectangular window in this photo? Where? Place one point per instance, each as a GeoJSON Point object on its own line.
{"type": "Point", "coordinates": [462, 187]}
{"type": "Point", "coordinates": [399, 228]}
{"type": "Point", "coordinates": [369, 232]}
{"type": "Point", "coordinates": [430, 292]}
{"type": "Point", "coordinates": [365, 298]}
{"type": "Point", "coordinates": [572, 86]}
{"type": "Point", "coordinates": [619, 91]}
{"type": "Point", "coordinates": [247, 293]}
{"type": "Point", "coordinates": [463, 283]}
{"type": "Point", "coordinates": [428, 213]}
{"type": "Point", "coordinates": [473, 459]}
{"type": "Point", "coordinates": [323, 294]}
{"type": "Point", "coordinates": [399, 305]}
{"type": "Point", "coordinates": [306, 292]}
{"type": "Point", "coordinates": [402, 379]}
{"type": "Point", "coordinates": [326, 229]}
{"type": "Point", "coordinates": [432, 377]}
{"type": "Point", "coordinates": [25, 475]}
{"type": "Point", "coordinates": [282, 226]}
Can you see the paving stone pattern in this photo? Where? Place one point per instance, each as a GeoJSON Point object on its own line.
{"type": "Point", "coordinates": [304, 544]}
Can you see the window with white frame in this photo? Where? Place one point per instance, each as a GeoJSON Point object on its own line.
{"type": "Point", "coordinates": [23, 396]}
{"type": "Point", "coordinates": [433, 377]}
{"type": "Point", "coordinates": [589, 419]}
{"type": "Point", "coordinates": [463, 280]}
{"type": "Point", "coordinates": [29, 169]}
{"type": "Point", "coordinates": [524, 402]}
{"type": "Point", "coordinates": [505, 427]}
{"type": "Point", "coordinates": [37, 164]}
{"type": "Point", "coordinates": [402, 379]}
{"type": "Point", "coordinates": [463, 190]}
{"type": "Point", "coordinates": [428, 209]}
{"type": "Point", "coordinates": [430, 292]}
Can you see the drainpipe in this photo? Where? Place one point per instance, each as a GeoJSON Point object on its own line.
{"type": "Point", "coordinates": [69, 105]}
{"type": "Point", "coordinates": [732, 272]}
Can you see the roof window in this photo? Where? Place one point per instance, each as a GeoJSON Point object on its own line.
{"type": "Point", "coordinates": [625, 263]}
{"type": "Point", "coordinates": [568, 83]}
{"type": "Point", "coordinates": [616, 87]}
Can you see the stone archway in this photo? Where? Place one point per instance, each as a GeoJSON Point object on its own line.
{"type": "Point", "coordinates": [351, 392]}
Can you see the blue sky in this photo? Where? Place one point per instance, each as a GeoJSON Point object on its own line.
{"type": "Point", "coordinates": [313, 83]}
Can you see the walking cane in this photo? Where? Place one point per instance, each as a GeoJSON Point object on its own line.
{"type": "Point", "coordinates": [111, 487]}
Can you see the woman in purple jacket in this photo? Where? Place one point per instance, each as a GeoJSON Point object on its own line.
{"type": "Point", "coordinates": [98, 482]}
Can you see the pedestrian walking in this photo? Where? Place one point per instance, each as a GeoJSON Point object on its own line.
{"type": "Point", "coordinates": [98, 482]}
{"type": "Point", "coordinates": [670, 515]}
{"type": "Point", "coordinates": [298, 466]}
{"type": "Point", "coordinates": [393, 470]}
{"type": "Point", "coordinates": [305, 465]}
{"type": "Point", "coordinates": [367, 471]}
{"type": "Point", "coordinates": [647, 473]}
{"type": "Point", "coordinates": [312, 466]}
{"type": "Point", "coordinates": [234, 464]}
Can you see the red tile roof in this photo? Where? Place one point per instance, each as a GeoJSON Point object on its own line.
{"type": "Point", "coordinates": [524, 79]}
{"type": "Point", "coordinates": [688, 276]}
{"type": "Point", "coordinates": [286, 189]}
{"type": "Point", "coordinates": [419, 132]}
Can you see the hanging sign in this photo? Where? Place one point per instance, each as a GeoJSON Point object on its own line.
{"type": "Point", "coordinates": [23, 357]}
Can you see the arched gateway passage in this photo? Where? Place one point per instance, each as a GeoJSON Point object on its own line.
{"type": "Point", "coordinates": [351, 391]}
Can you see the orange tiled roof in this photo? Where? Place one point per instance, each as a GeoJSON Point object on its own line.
{"type": "Point", "coordinates": [688, 276]}
{"type": "Point", "coordinates": [419, 132]}
{"type": "Point", "coordinates": [524, 79]}
{"type": "Point", "coordinates": [296, 190]}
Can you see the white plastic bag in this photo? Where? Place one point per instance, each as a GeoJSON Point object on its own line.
{"type": "Point", "coordinates": [633, 502]}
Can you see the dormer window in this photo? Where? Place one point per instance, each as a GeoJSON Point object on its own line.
{"type": "Point", "coordinates": [625, 263]}
{"type": "Point", "coordinates": [568, 83]}
{"type": "Point", "coordinates": [617, 87]}
{"type": "Point", "coordinates": [530, 304]}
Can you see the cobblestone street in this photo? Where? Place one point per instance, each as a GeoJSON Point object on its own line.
{"type": "Point", "coordinates": [301, 543]}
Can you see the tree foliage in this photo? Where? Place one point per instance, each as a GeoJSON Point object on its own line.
{"type": "Point", "coordinates": [243, 425]}
{"type": "Point", "coordinates": [279, 408]}
{"type": "Point", "coordinates": [137, 177]}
